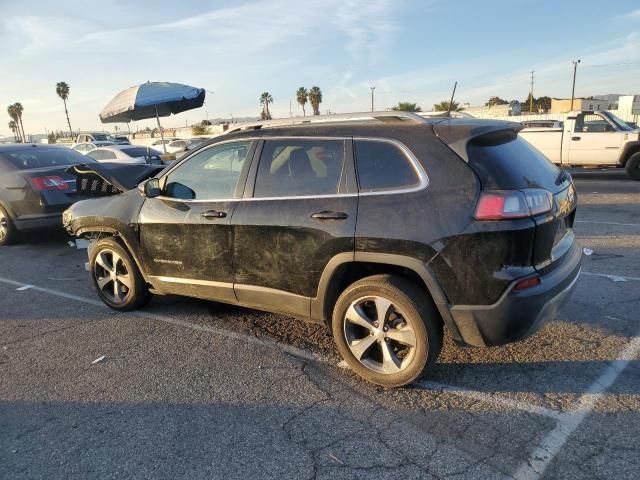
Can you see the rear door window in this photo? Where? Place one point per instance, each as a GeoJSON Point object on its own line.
{"type": "Point", "coordinates": [295, 167]}
{"type": "Point", "coordinates": [383, 166]}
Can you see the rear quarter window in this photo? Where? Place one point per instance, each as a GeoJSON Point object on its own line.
{"type": "Point", "coordinates": [383, 166]}
{"type": "Point", "coordinates": [510, 162]}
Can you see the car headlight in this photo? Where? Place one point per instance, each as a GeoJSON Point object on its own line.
{"type": "Point", "coordinates": [67, 217]}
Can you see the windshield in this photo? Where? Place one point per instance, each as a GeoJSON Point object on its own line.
{"type": "Point", "coordinates": [619, 123]}
{"type": "Point", "coordinates": [45, 157]}
{"type": "Point", "coordinates": [137, 152]}
{"type": "Point", "coordinates": [101, 137]}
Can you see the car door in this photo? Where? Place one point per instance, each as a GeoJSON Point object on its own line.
{"type": "Point", "coordinates": [185, 233]}
{"type": "Point", "coordinates": [594, 141]}
{"type": "Point", "coordinates": [299, 211]}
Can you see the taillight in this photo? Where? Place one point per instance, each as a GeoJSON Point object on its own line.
{"type": "Point", "coordinates": [509, 204]}
{"type": "Point", "coordinates": [527, 283]}
{"type": "Point", "coordinates": [49, 183]}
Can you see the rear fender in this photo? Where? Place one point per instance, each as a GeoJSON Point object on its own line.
{"type": "Point", "coordinates": [319, 305]}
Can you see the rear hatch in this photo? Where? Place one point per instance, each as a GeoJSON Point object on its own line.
{"type": "Point", "coordinates": [504, 161]}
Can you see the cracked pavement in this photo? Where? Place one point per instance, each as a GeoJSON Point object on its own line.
{"type": "Point", "coordinates": [192, 389]}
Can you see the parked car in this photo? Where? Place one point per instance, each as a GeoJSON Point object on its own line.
{"type": "Point", "coordinates": [34, 187]}
{"type": "Point", "coordinates": [157, 144]}
{"type": "Point", "coordinates": [542, 124]}
{"type": "Point", "coordinates": [590, 139]}
{"type": "Point", "coordinates": [387, 229]}
{"type": "Point", "coordinates": [121, 140]}
{"type": "Point", "coordinates": [94, 137]}
{"type": "Point", "coordinates": [86, 147]}
{"type": "Point", "coordinates": [179, 146]}
{"type": "Point", "coordinates": [37, 185]}
{"type": "Point", "coordinates": [131, 154]}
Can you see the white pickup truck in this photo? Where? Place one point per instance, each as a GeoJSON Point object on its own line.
{"type": "Point", "coordinates": [589, 139]}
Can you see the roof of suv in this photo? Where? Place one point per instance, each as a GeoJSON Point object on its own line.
{"type": "Point", "coordinates": [455, 132]}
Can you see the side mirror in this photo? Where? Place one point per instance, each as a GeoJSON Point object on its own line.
{"type": "Point", "coordinates": [150, 188]}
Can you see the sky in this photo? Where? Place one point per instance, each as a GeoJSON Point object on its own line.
{"type": "Point", "coordinates": [410, 50]}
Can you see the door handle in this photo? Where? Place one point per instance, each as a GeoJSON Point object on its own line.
{"type": "Point", "coordinates": [212, 214]}
{"type": "Point", "coordinates": [326, 215]}
{"type": "Point", "coordinates": [575, 138]}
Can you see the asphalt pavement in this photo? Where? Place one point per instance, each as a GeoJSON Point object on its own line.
{"type": "Point", "coordinates": [188, 389]}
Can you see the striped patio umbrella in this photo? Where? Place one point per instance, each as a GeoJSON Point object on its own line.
{"type": "Point", "coordinates": [152, 99]}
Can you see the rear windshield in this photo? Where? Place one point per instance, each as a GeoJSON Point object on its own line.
{"type": "Point", "coordinates": [137, 152]}
{"type": "Point", "coordinates": [510, 162]}
{"type": "Point", "coordinates": [98, 137]}
{"type": "Point", "coordinates": [36, 157]}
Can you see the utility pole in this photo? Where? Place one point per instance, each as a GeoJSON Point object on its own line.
{"type": "Point", "coordinates": [573, 85]}
{"type": "Point", "coordinates": [531, 94]}
{"type": "Point", "coordinates": [290, 111]}
{"type": "Point", "coordinates": [372, 90]}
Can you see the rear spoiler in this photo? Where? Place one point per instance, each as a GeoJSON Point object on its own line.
{"type": "Point", "coordinates": [457, 133]}
{"type": "Point", "coordinates": [104, 179]}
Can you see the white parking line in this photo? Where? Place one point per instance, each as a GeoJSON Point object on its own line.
{"type": "Point", "coordinates": [492, 400]}
{"type": "Point", "coordinates": [553, 442]}
{"type": "Point", "coordinates": [610, 223]}
{"type": "Point", "coordinates": [296, 352]}
{"type": "Point", "coordinates": [615, 278]}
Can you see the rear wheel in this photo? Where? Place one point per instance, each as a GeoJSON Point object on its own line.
{"type": "Point", "coordinates": [633, 166]}
{"type": "Point", "coordinates": [387, 330]}
{"type": "Point", "coordinates": [116, 277]}
{"type": "Point", "coordinates": [8, 231]}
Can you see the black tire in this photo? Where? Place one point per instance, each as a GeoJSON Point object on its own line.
{"type": "Point", "coordinates": [116, 293]}
{"type": "Point", "coordinates": [633, 166]}
{"type": "Point", "coordinates": [8, 230]}
{"type": "Point", "coordinates": [410, 306]}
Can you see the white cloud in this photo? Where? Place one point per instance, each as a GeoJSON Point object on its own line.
{"type": "Point", "coordinates": [635, 15]}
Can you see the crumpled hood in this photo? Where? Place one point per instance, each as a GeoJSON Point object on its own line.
{"type": "Point", "coordinates": [102, 179]}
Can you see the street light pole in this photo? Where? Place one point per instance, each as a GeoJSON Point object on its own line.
{"type": "Point", "coordinates": [573, 85]}
{"type": "Point", "coordinates": [531, 93]}
{"type": "Point", "coordinates": [372, 90]}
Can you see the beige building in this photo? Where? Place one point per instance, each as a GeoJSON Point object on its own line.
{"type": "Point", "coordinates": [563, 105]}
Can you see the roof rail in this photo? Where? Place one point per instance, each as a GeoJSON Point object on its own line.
{"type": "Point", "coordinates": [386, 116]}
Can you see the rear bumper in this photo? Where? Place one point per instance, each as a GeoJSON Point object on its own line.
{"type": "Point", "coordinates": [518, 314]}
{"type": "Point", "coordinates": [36, 222]}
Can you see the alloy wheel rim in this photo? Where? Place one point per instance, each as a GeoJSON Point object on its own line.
{"type": "Point", "coordinates": [112, 276]}
{"type": "Point", "coordinates": [378, 335]}
{"type": "Point", "coordinates": [4, 226]}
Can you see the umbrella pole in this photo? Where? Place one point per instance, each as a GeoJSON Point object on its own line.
{"type": "Point", "coordinates": [164, 146]}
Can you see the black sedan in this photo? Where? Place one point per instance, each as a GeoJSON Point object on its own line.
{"type": "Point", "coordinates": [38, 182]}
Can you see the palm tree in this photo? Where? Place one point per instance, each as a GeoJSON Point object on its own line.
{"type": "Point", "coordinates": [14, 128]}
{"type": "Point", "coordinates": [407, 107]}
{"type": "Point", "coordinates": [265, 100]}
{"type": "Point", "coordinates": [444, 106]}
{"type": "Point", "coordinates": [315, 99]}
{"type": "Point", "coordinates": [62, 89]}
{"type": "Point", "coordinates": [19, 109]}
{"type": "Point", "coordinates": [11, 110]}
{"type": "Point", "coordinates": [302, 95]}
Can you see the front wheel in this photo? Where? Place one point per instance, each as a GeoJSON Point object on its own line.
{"type": "Point", "coordinates": [8, 231]}
{"type": "Point", "coordinates": [116, 277]}
{"type": "Point", "coordinates": [387, 330]}
{"type": "Point", "coordinates": [633, 166]}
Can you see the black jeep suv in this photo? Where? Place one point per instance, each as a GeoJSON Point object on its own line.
{"type": "Point", "coordinates": [386, 226]}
